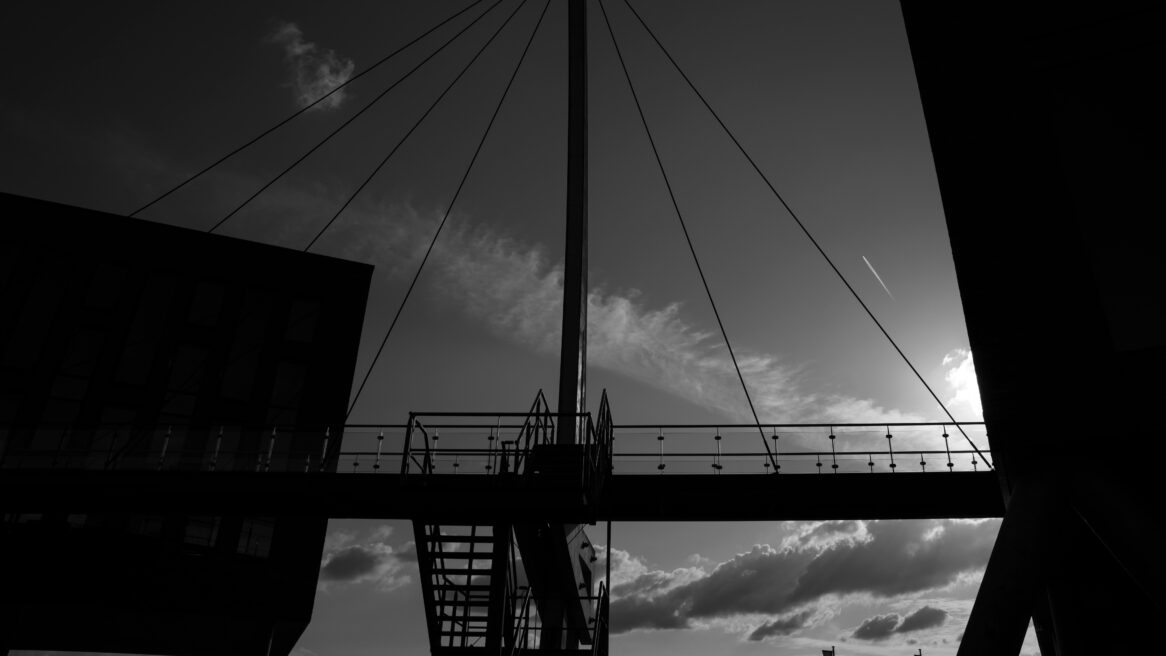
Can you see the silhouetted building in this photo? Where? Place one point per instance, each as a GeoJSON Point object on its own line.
{"type": "Point", "coordinates": [128, 344]}
{"type": "Point", "coordinates": [1046, 126]}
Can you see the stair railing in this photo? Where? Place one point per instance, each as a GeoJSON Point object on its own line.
{"type": "Point", "coordinates": [409, 454]}
{"type": "Point", "coordinates": [597, 449]}
{"type": "Point", "coordinates": [539, 428]}
{"type": "Point", "coordinates": [599, 637]}
{"type": "Point", "coordinates": [521, 624]}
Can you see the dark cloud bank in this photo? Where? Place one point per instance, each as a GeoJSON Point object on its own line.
{"type": "Point", "coordinates": [881, 627]}
{"type": "Point", "coordinates": [882, 559]}
{"type": "Point", "coordinates": [364, 561]}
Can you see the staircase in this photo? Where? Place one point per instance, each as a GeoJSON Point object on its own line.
{"type": "Point", "coordinates": [464, 578]}
{"type": "Point", "coordinates": [480, 596]}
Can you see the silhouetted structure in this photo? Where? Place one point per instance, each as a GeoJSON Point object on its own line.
{"type": "Point", "coordinates": [1046, 126]}
{"type": "Point", "coordinates": [1046, 129]}
{"type": "Point", "coordinates": [134, 345]}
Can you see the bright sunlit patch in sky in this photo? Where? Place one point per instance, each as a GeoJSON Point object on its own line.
{"type": "Point", "coordinates": [961, 378]}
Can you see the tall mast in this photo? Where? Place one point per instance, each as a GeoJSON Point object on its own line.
{"type": "Point", "coordinates": [573, 359]}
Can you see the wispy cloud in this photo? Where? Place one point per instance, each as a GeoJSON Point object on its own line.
{"type": "Point", "coordinates": [516, 290]}
{"type": "Point", "coordinates": [313, 71]}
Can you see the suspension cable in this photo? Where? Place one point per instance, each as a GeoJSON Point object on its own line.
{"type": "Point", "coordinates": [303, 109]}
{"type": "Point", "coordinates": [803, 228]}
{"type": "Point", "coordinates": [683, 227]}
{"type": "Point", "coordinates": [452, 201]}
{"type": "Point", "coordinates": [405, 138]}
{"type": "Point", "coordinates": [352, 118]}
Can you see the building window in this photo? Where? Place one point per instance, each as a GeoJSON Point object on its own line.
{"type": "Point", "coordinates": [84, 352]}
{"type": "Point", "coordinates": [151, 525]}
{"type": "Point", "coordinates": [148, 328]}
{"type": "Point", "coordinates": [33, 322]}
{"type": "Point", "coordinates": [105, 286]}
{"type": "Point", "coordinates": [255, 536]}
{"type": "Point", "coordinates": [301, 324]}
{"type": "Point", "coordinates": [206, 304]}
{"type": "Point", "coordinates": [243, 359]}
{"type": "Point", "coordinates": [202, 531]}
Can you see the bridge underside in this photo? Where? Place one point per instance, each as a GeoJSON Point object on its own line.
{"type": "Point", "coordinates": [485, 499]}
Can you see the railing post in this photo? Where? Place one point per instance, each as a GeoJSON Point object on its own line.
{"type": "Point", "coordinates": [407, 448]}
{"type": "Point", "coordinates": [947, 449]}
{"type": "Point", "coordinates": [380, 442]}
{"type": "Point", "coordinates": [60, 446]}
{"type": "Point", "coordinates": [891, 449]}
{"type": "Point", "coordinates": [776, 462]}
{"type": "Point", "coordinates": [833, 452]}
{"type": "Point", "coordinates": [270, 451]}
{"type": "Point", "coordinates": [165, 446]}
{"type": "Point", "coordinates": [218, 446]}
{"type": "Point", "coordinates": [490, 447]}
{"type": "Point", "coordinates": [109, 454]}
{"type": "Point", "coordinates": [324, 450]}
{"type": "Point", "coordinates": [717, 467]}
{"type": "Point", "coordinates": [660, 439]}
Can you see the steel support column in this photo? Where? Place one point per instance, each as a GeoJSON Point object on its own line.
{"type": "Point", "coordinates": [1013, 582]}
{"type": "Point", "coordinates": [573, 359]}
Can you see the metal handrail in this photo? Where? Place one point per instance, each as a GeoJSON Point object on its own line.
{"type": "Point", "coordinates": [599, 638]}
{"type": "Point", "coordinates": [292, 448]}
{"type": "Point", "coordinates": [521, 623]}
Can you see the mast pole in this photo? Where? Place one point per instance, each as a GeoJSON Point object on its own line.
{"type": "Point", "coordinates": [573, 358]}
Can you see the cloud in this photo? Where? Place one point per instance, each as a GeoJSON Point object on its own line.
{"type": "Point", "coordinates": [782, 626]}
{"type": "Point", "coordinates": [355, 562]}
{"type": "Point", "coordinates": [877, 559]}
{"type": "Point", "coordinates": [879, 627]}
{"type": "Point", "coordinates": [926, 617]}
{"type": "Point", "coordinates": [408, 552]}
{"type": "Point", "coordinates": [516, 290]}
{"type": "Point", "coordinates": [961, 378]}
{"type": "Point", "coordinates": [313, 71]}
{"type": "Point", "coordinates": [821, 535]}
{"type": "Point", "coordinates": [900, 558]}
{"type": "Point", "coordinates": [347, 560]}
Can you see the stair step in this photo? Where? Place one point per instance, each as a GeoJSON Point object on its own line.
{"type": "Point", "coordinates": [472, 601]}
{"type": "Point", "coordinates": [459, 571]}
{"type": "Point", "coordinates": [460, 539]}
{"type": "Point", "coordinates": [462, 619]}
{"type": "Point", "coordinates": [457, 586]}
{"type": "Point", "coordinates": [471, 634]}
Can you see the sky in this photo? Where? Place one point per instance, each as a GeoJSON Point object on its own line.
{"type": "Point", "coordinates": [106, 107]}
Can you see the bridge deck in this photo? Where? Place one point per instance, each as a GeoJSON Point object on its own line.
{"type": "Point", "coordinates": [443, 497]}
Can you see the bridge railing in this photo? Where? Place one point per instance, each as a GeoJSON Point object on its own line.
{"type": "Point", "coordinates": [482, 444]}
{"type": "Point", "coordinates": [796, 448]}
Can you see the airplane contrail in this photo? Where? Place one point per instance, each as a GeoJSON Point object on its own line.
{"type": "Point", "coordinates": [878, 277]}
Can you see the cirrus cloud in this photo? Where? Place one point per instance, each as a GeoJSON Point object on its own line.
{"type": "Point", "coordinates": [515, 289]}
{"type": "Point", "coordinates": [312, 71]}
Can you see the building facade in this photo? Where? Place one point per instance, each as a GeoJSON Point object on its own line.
{"type": "Point", "coordinates": [135, 345]}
